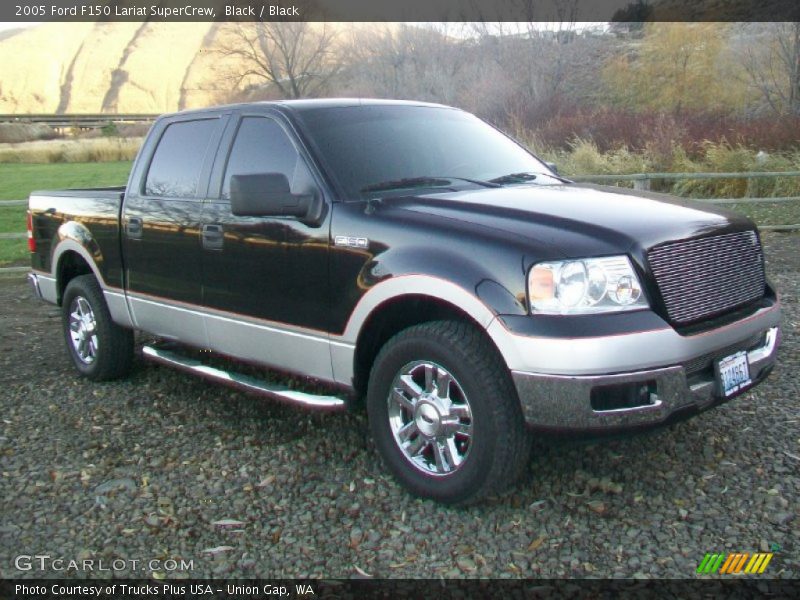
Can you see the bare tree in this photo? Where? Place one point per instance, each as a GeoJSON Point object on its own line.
{"type": "Point", "coordinates": [298, 58]}
{"type": "Point", "coordinates": [410, 61]}
{"type": "Point", "coordinates": [771, 62]}
{"type": "Point", "coordinates": [537, 58]}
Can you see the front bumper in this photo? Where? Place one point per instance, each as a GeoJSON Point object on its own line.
{"type": "Point", "coordinates": [683, 382]}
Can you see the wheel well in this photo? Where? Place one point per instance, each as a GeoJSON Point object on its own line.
{"type": "Point", "coordinates": [70, 265]}
{"type": "Point", "coordinates": [390, 318]}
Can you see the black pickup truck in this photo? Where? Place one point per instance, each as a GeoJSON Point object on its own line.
{"type": "Point", "coordinates": [412, 257]}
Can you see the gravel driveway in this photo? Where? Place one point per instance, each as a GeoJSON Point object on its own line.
{"type": "Point", "coordinates": [166, 467]}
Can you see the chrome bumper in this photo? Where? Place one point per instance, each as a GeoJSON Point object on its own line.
{"type": "Point", "coordinates": [563, 402]}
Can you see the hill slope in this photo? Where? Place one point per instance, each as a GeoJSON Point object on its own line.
{"type": "Point", "coordinates": [108, 67]}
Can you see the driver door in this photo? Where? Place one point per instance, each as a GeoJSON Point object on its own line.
{"type": "Point", "coordinates": [265, 279]}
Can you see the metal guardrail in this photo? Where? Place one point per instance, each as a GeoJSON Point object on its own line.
{"type": "Point", "coordinates": [79, 121]}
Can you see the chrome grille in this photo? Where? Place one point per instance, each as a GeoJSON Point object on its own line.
{"type": "Point", "coordinates": [708, 276]}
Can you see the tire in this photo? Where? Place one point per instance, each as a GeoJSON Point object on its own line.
{"type": "Point", "coordinates": [101, 351]}
{"type": "Point", "coordinates": [471, 413]}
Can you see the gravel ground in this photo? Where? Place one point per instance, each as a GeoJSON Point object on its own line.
{"type": "Point", "coordinates": [163, 466]}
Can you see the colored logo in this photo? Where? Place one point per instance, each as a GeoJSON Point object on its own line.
{"type": "Point", "coordinates": [731, 564]}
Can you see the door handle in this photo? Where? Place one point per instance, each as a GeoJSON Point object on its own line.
{"type": "Point", "coordinates": [212, 235]}
{"type": "Point", "coordinates": [133, 228]}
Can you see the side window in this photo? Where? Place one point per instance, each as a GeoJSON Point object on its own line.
{"type": "Point", "coordinates": [178, 159]}
{"type": "Point", "coordinates": [261, 146]}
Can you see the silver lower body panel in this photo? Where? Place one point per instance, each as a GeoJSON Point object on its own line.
{"type": "Point", "coordinates": [43, 286]}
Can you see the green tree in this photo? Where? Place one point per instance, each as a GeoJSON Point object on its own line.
{"type": "Point", "coordinates": [673, 68]}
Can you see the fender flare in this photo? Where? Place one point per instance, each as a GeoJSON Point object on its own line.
{"type": "Point", "coordinates": [417, 285]}
{"type": "Point", "coordinates": [76, 237]}
{"type": "Point", "coordinates": [343, 348]}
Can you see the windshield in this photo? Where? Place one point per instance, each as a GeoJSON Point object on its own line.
{"type": "Point", "coordinates": [377, 150]}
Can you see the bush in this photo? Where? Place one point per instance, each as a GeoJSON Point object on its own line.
{"type": "Point", "coordinates": [81, 150]}
{"type": "Point", "coordinates": [583, 157]}
{"type": "Point", "coordinates": [725, 158]}
{"type": "Point", "coordinates": [11, 133]}
{"type": "Point", "coordinates": [110, 130]}
{"type": "Point", "coordinates": [658, 133]}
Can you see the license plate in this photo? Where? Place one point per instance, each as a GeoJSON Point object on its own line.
{"type": "Point", "coordinates": [733, 373]}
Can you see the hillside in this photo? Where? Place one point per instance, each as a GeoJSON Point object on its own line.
{"type": "Point", "coordinates": [108, 67]}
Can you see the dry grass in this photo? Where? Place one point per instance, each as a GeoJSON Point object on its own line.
{"type": "Point", "coordinates": [111, 149]}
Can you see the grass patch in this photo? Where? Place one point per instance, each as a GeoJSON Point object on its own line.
{"type": "Point", "coordinates": [17, 181]}
{"type": "Point", "coordinates": [12, 219]}
{"type": "Point", "coordinates": [14, 252]}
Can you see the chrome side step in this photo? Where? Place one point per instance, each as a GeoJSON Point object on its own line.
{"type": "Point", "coordinates": [243, 382]}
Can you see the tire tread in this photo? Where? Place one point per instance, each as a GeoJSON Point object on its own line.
{"type": "Point", "coordinates": [513, 440]}
{"type": "Point", "coordinates": [117, 360]}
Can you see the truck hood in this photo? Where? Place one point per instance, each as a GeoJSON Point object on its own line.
{"type": "Point", "coordinates": [578, 219]}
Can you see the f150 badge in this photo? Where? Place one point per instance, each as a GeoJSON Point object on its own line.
{"type": "Point", "coordinates": [351, 242]}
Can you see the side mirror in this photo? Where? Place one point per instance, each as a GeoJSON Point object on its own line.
{"type": "Point", "coordinates": [552, 166]}
{"type": "Point", "coordinates": [269, 195]}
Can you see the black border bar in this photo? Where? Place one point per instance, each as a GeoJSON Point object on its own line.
{"type": "Point", "coordinates": [358, 589]}
{"type": "Point", "coordinates": [400, 10]}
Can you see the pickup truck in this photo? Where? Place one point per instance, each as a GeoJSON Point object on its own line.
{"type": "Point", "coordinates": [411, 259]}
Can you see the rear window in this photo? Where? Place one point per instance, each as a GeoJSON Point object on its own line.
{"type": "Point", "coordinates": [178, 159]}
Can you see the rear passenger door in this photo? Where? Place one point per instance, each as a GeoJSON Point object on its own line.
{"type": "Point", "coordinates": [161, 227]}
{"type": "Point", "coordinates": [265, 279]}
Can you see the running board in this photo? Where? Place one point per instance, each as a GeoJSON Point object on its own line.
{"type": "Point", "coordinates": [243, 382]}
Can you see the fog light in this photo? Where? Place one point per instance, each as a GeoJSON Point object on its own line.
{"type": "Point", "coordinates": [619, 396]}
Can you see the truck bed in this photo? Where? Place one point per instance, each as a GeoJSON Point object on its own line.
{"type": "Point", "coordinates": [78, 213]}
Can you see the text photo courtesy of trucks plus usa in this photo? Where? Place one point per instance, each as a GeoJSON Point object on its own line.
{"type": "Point", "coordinates": [317, 307]}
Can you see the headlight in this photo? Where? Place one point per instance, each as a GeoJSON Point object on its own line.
{"type": "Point", "coordinates": [592, 285]}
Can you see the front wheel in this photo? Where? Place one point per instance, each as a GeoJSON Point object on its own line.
{"type": "Point", "coordinates": [100, 349]}
{"type": "Point", "coordinates": [444, 413]}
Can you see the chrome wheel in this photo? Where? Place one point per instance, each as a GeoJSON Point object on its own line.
{"type": "Point", "coordinates": [83, 330]}
{"type": "Point", "coordinates": [430, 418]}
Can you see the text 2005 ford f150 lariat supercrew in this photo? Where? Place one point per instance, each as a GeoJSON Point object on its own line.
{"type": "Point", "coordinates": [412, 256]}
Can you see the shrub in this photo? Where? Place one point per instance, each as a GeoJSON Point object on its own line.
{"type": "Point", "coordinates": [726, 158]}
{"type": "Point", "coordinates": [11, 133]}
{"type": "Point", "coordinates": [658, 133]}
{"type": "Point", "coordinates": [110, 130]}
{"type": "Point", "coordinates": [80, 150]}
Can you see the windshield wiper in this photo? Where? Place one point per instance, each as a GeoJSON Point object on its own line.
{"type": "Point", "coordinates": [525, 177]}
{"type": "Point", "coordinates": [514, 178]}
{"type": "Point", "coordinates": [489, 184]}
{"type": "Point", "coordinates": [426, 181]}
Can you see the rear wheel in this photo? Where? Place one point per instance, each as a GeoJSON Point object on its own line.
{"type": "Point", "coordinates": [444, 413]}
{"type": "Point", "coordinates": [100, 349]}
